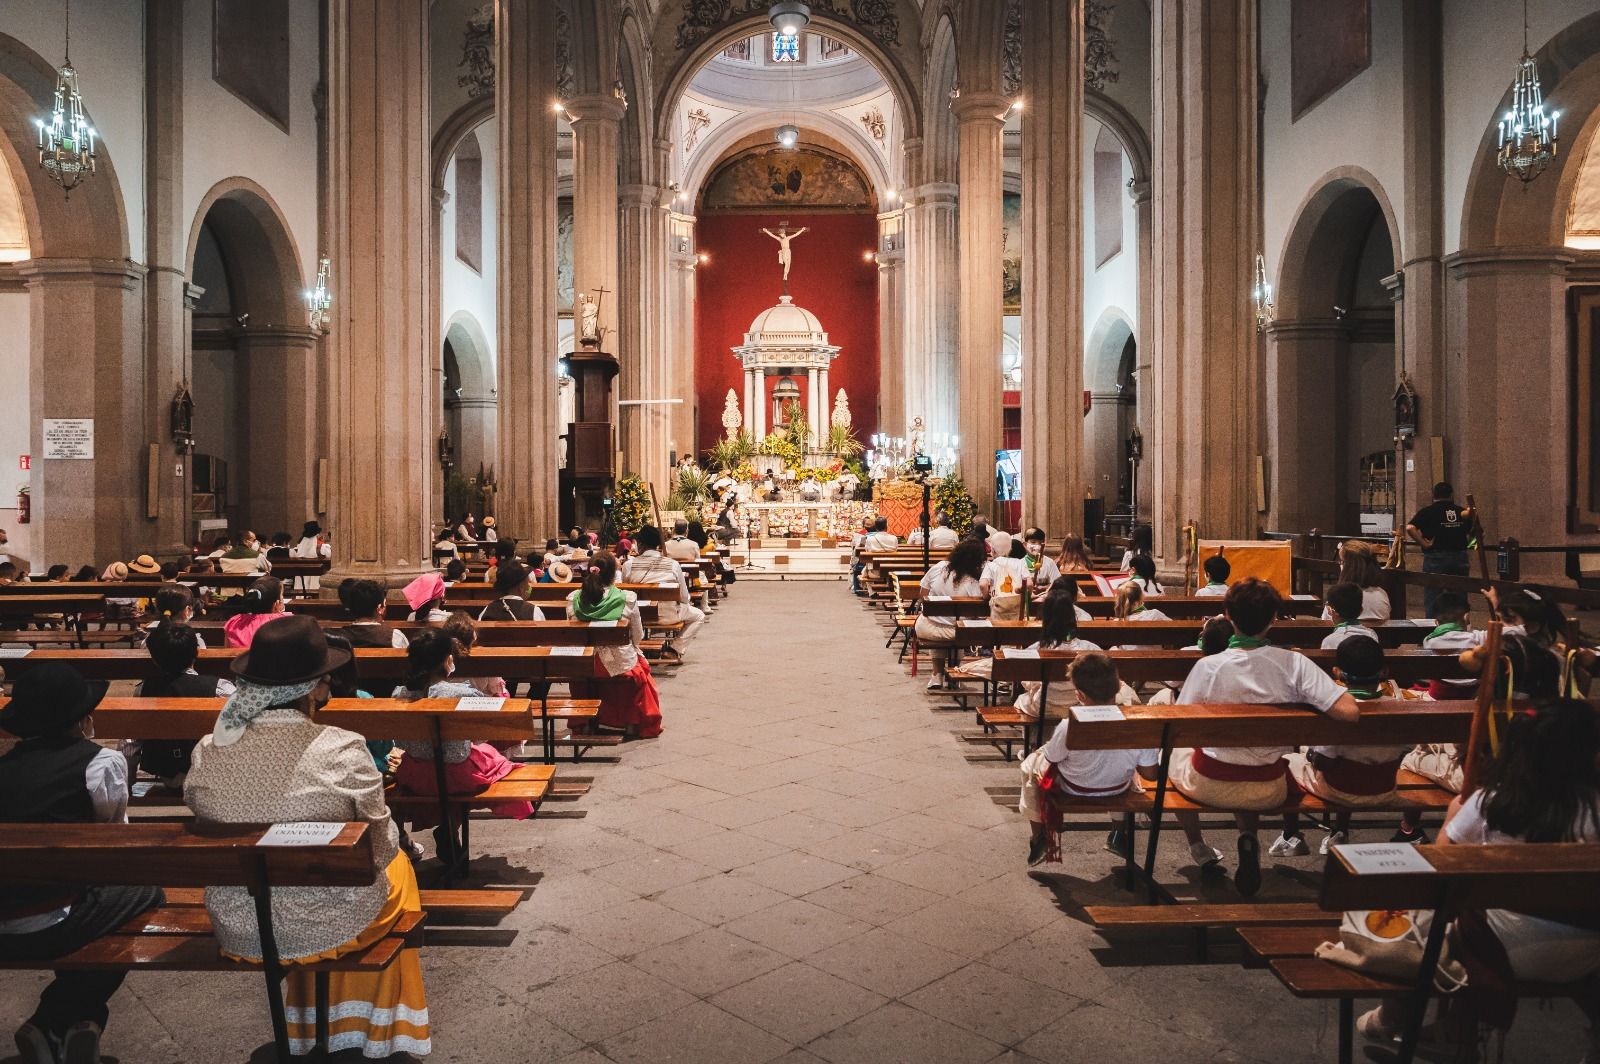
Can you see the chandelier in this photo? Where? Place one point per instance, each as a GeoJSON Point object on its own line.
{"type": "Point", "coordinates": [66, 141]}
{"type": "Point", "coordinates": [1528, 138]}
{"type": "Point", "coordinates": [789, 17]}
{"type": "Point", "coordinates": [319, 300]}
{"type": "Point", "coordinates": [1261, 293]}
{"type": "Point", "coordinates": [788, 135]}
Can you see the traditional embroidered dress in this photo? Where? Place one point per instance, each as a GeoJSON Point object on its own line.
{"type": "Point", "coordinates": [624, 685]}
{"type": "Point", "coordinates": [266, 763]}
{"type": "Point", "coordinates": [469, 767]}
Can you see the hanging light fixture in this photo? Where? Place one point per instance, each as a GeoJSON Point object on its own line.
{"type": "Point", "coordinates": [1528, 138]}
{"type": "Point", "coordinates": [789, 17]}
{"type": "Point", "coordinates": [788, 135]}
{"type": "Point", "coordinates": [319, 300]}
{"type": "Point", "coordinates": [1262, 294]}
{"type": "Point", "coordinates": [66, 140]}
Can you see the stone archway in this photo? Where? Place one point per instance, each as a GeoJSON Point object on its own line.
{"type": "Point", "coordinates": [471, 403]}
{"type": "Point", "coordinates": [1110, 358]}
{"type": "Point", "coordinates": [77, 272]}
{"type": "Point", "coordinates": [255, 380]}
{"type": "Point", "coordinates": [1332, 360]}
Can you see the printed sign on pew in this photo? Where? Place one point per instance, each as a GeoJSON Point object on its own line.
{"type": "Point", "coordinates": [1383, 858]}
{"type": "Point", "coordinates": [301, 833]}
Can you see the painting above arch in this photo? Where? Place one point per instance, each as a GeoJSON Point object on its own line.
{"type": "Point", "coordinates": [764, 179]}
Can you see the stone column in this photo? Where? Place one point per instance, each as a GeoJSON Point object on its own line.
{"type": "Point", "coordinates": [680, 342]}
{"type": "Point", "coordinates": [982, 302]}
{"type": "Point", "coordinates": [166, 338]}
{"type": "Point", "coordinates": [86, 361]}
{"type": "Point", "coordinates": [892, 352]}
{"type": "Point", "coordinates": [824, 406]}
{"type": "Point", "coordinates": [647, 439]}
{"type": "Point", "coordinates": [813, 404]}
{"type": "Point", "coordinates": [382, 408]}
{"type": "Point", "coordinates": [525, 82]}
{"type": "Point", "coordinates": [1206, 225]}
{"type": "Point", "coordinates": [1052, 266]}
{"type": "Point", "coordinates": [1300, 365]}
{"type": "Point", "coordinates": [279, 420]}
{"type": "Point", "coordinates": [1144, 352]}
{"type": "Point", "coordinates": [930, 367]}
{"type": "Point", "coordinates": [1508, 401]}
{"type": "Point", "coordinates": [760, 406]}
{"type": "Point", "coordinates": [749, 409]}
{"type": "Point", "coordinates": [1420, 347]}
{"type": "Point", "coordinates": [596, 139]}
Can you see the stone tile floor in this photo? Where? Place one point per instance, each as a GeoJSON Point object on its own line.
{"type": "Point", "coordinates": [804, 867]}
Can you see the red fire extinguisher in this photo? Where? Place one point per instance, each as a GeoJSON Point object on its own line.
{"type": "Point", "coordinates": [24, 507]}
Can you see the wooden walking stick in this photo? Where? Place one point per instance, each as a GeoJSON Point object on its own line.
{"type": "Point", "coordinates": [1472, 765]}
{"type": "Point", "coordinates": [1475, 538]}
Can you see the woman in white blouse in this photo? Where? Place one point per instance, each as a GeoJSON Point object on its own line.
{"type": "Point", "coordinates": [960, 575]}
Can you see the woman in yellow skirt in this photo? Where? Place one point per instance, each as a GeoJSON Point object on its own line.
{"type": "Point", "coordinates": [267, 762]}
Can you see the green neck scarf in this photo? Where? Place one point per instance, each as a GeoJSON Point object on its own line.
{"type": "Point", "coordinates": [609, 608]}
{"type": "Point", "coordinates": [1247, 642]}
{"type": "Point", "coordinates": [1445, 628]}
{"type": "Point", "coordinates": [1346, 624]}
{"type": "Point", "coordinates": [1363, 694]}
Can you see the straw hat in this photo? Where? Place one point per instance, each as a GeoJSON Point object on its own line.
{"type": "Point", "coordinates": [144, 565]}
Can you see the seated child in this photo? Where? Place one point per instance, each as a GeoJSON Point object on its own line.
{"type": "Point", "coordinates": [1130, 603]}
{"type": "Point", "coordinates": [1087, 773]}
{"type": "Point", "coordinates": [173, 646]}
{"type": "Point", "coordinates": [1143, 568]}
{"type": "Point", "coordinates": [1217, 569]}
{"type": "Point", "coordinates": [1352, 776]}
{"type": "Point", "coordinates": [1452, 631]}
{"type": "Point", "coordinates": [1344, 605]}
{"type": "Point", "coordinates": [1058, 630]}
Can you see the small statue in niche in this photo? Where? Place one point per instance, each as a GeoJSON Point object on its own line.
{"type": "Point", "coordinates": [1405, 412]}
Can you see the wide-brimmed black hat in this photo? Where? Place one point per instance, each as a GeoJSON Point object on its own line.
{"type": "Point", "coordinates": [49, 700]}
{"type": "Point", "coordinates": [287, 651]}
{"type": "Point", "coordinates": [311, 529]}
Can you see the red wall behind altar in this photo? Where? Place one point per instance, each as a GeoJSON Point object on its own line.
{"type": "Point", "coordinates": [828, 278]}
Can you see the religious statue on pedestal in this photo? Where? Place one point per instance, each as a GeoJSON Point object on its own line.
{"type": "Point", "coordinates": [841, 410]}
{"type": "Point", "coordinates": [588, 319]}
{"type": "Point", "coordinates": [731, 418]}
{"type": "Point", "coordinates": [917, 436]}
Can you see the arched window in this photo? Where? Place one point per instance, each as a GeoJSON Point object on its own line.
{"type": "Point", "coordinates": [469, 202]}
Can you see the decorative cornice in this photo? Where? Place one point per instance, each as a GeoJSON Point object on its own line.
{"type": "Point", "coordinates": [121, 273]}
{"type": "Point", "coordinates": [1534, 258]}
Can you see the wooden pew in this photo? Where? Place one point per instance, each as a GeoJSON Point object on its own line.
{"type": "Point", "coordinates": [66, 610]}
{"type": "Point", "coordinates": [1556, 880]}
{"type": "Point", "coordinates": [519, 663]}
{"type": "Point", "coordinates": [433, 720]}
{"type": "Point", "coordinates": [1400, 722]}
{"type": "Point", "coordinates": [490, 633]}
{"type": "Point", "coordinates": [984, 634]}
{"type": "Point", "coordinates": [197, 855]}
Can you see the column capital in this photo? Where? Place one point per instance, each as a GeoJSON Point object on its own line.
{"type": "Point", "coordinates": [102, 273]}
{"type": "Point", "coordinates": [593, 109]}
{"type": "Point", "coordinates": [1395, 285]}
{"type": "Point", "coordinates": [934, 193]}
{"type": "Point", "coordinates": [981, 107]}
{"type": "Point", "coordinates": [1139, 192]}
{"type": "Point", "coordinates": [289, 336]}
{"type": "Point", "coordinates": [644, 196]}
{"type": "Point", "coordinates": [191, 296]}
{"type": "Point", "coordinates": [1305, 329]}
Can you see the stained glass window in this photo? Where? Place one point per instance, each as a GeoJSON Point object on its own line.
{"type": "Point", "coordinates": [785, 47]}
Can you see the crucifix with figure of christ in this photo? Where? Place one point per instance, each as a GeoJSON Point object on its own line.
{"type": "Point", "coordinates": [785, 257]}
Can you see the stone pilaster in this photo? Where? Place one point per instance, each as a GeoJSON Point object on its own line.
{"type": "Point", "coordinates": [1421, 308]}
{"type": "Point", "coordinates": [596, 141]}
{"type": "Point", "coordinates": [383, 405]}
{"type": "Point", "coordinates": [982, 119]}
{"type": "Point", "coordinates": [525, 80]}
{"type": "Point", "coordinates": [892, 354]}
{"type": "Point", "coordinates": [1052, 266]}
{"type": "Point", "coordinates": [1144, 362]}
{"type": "Point", "coordinates": [930, 366]}
{"type": "Point", "coordinates": [647, 435]}
{"type": "Point", "coordinates": [86, 361]}
{"type": "Point", "coordinates": [680, 314]}
{"type": "Point", "coordinates": [166, 338]}
{"type": "Point", "coordinates": [1300, 366]}
{"type": "Point", "coordinates": [1206, 225]}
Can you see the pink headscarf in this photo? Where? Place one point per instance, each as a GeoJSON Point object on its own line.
{"type": "Point", "coordinates": [423, 590]}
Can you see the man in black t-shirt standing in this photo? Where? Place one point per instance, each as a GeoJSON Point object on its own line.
{"type": "Point", "coordinates": [1443, 530]}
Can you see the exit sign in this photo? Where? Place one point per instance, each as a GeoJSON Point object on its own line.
{"type": "Point", "coordinates": [24, 461]}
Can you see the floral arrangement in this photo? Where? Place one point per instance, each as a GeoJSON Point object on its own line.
{"type": "Point", "coordinates": [630, 509]}
{"type": "Point", "coordinates": [950, 497]}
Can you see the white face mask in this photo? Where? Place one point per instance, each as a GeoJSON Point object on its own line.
{"type": "Point", "coordinates": [1035, 549]}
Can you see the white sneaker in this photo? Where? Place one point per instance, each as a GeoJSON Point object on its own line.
{"type": "Point", "coordinates": [1330, 840]}
{"type": "Point", "coordinates": [1284, 846]}
{"type": "Point", "coordinates": [1204, 855]}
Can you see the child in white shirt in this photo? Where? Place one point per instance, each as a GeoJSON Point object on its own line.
{"type": "Point", "coordinates": [1143, 568]}
{"type": "Point", "coordinates": [1004, 580]}
{"type": "Point", "coordinates": [1250, 671]}
{"type": "Point", "coordinates": [1217, 570]}
{"type": "Point", "coordinates": [1058, 630]}
{"type": "Point", "coordinates": [1345, 604]}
